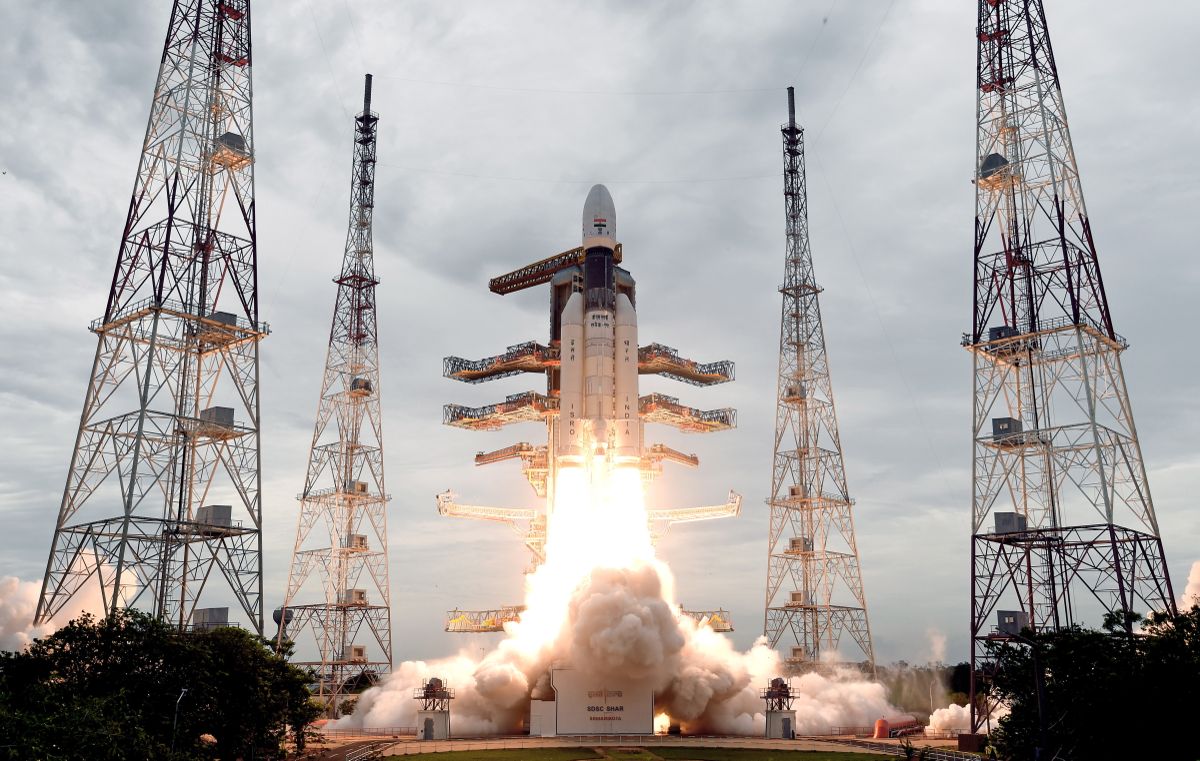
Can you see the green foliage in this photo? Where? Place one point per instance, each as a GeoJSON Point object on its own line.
{"type": "Point", "coordinates": [960, 680]}
{"type": "Point", "coordinates": [109, 689]}
{"type": "Point", "coordinates": [1107, 694]}
{"type": "Point", "coordinates": [910, 687]}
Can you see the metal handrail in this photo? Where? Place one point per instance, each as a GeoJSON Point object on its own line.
{"type": "Point", "coordinates": [1050, 326]}
{"type": "Point", "coordinates": [151, 303]}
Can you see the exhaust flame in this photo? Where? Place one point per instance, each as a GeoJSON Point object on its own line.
{"type": "Point", "coordinates": [604, 604]}
{"type": "Point", "coordinates": [599, 521]}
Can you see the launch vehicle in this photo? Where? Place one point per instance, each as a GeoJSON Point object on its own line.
{"type": "Point", "coordinates": [598, 386]}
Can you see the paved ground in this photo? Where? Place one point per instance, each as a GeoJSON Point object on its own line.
{"type": "Point", "coordinates": [413, 746]}
{"type": "Point", "coordinates": [333, 751]}
{"type": "Point", "coordinates": [337, 749]}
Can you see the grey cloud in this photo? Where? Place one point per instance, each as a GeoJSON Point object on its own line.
{"type": "Point", "coordinates": [890, 212]}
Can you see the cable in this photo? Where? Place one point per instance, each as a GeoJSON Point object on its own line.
{"type": "Point", "coordinates": [813, 45]}
{"type": "Point", "coordinates": [329, 64]}
{"type": "Point", "coordinates": [883, 328]}
{"type": "Point", "coordinates": [558, 91]}
{"type": "Point", "coordinates": [552, 181]}
{"type": "Point", "coordinates": [857, 68]}
{"type": "Point", "coordinates": [357, 36]}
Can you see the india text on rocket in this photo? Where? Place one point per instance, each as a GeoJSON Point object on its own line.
{"type": "Point", "coordinates": [592, 412]}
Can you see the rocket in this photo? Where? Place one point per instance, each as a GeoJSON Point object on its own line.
{"type": "Point", "coordinates": [598, 379]}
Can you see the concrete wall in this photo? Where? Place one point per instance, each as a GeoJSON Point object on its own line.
{"type": "Point", "coordinates": [591, 706]}
{"type": "Point", "coordinates": [781, 725]}
{"type": "Point", "coordinates": [433, 725]}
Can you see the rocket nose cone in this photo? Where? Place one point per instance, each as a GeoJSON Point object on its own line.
{"type": "Point", "coordinates": [599, 215]}
{"type": "Point", "coordinates": [598, 195]}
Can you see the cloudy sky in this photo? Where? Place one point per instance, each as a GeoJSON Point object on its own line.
{"type": "Point", "coordinates": [496, 118]}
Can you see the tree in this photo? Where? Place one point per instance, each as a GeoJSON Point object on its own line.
{"type": "Point", "coordinates": [1105, 693]}
{"type": "Point", "coordinates": [114, 689]}
{"type": "Point", "coordinates": [93, 689]}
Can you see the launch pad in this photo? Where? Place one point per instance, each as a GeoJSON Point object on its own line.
{"type": "Point", "coordinates": [583, 705]}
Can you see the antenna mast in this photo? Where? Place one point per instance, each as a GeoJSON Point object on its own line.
{"type": "Point", "coordinates": [814, 585]}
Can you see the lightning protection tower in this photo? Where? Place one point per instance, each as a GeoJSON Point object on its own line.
{"type": "Point", "coordinates": [814, 585]}
{"type": "Point", "coordinates": [1057, 466]}
{"type": "Point", "coordinates": [162, 499]}
{"type": "Point", "coordinates": [341, 538]}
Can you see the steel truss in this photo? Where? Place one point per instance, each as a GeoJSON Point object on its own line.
{"type": "Point", "coordinates": [717, 620]}
{"type": "Point", "coordinates": [1057, 464]}
{"type": "Point", "coordinates": [543, 270]}
{"type": "Point", "coordinates": [533, 357]}
{"type": "Point", "coordinates": [177, 355]}
{"type": "Point", "coordinates": [814, 591]}
{"type": "Point", "coordinates": [341, 551]}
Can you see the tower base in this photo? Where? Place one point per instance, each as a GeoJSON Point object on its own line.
{"type": "Point", "coordinates": [433, 725]}
{"type": "Point", "coordinates": [781, 725]}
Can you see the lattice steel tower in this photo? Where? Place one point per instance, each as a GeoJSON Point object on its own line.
{"type": "Point", "coordinates": [163, 490]}
{"type": "Point", "coordinates": [1057, 465]}
{"type": "Point", "coordinates": [341, 538]}
{"type": "Point", "coordinates": [814, 585]}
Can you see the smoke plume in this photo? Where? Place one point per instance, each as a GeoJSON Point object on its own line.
{"type": "Point", "coordinates": [952, 718]}
{"type": "Point", "coordinates": [937, 645]}
{"type": "Point", "coordinates": [1191, 594]}
{"type": "Point", "coordinates": [621, 622]}
{"type": "Point", "coordinates": [602, 603]}
{"type": "Point", "coordinates": [18, 603]}
{"type": "Point", "coordinates": [956, 718]}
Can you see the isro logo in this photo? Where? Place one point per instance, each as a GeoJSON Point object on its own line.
{"type": "Point", "coordinates": [605, 694]}
{"type": "Point", "coordinates": [607, 709]}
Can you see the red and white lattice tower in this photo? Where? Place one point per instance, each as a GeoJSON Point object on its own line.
{"type": "Point", "coordinates": [162, 501]}
{"type": "Point", "coordinates": [814, 583]}
{"type": "Point", "coordinates": [338, 600]}
{"type": "Point", "coordinates": [1063, 526]}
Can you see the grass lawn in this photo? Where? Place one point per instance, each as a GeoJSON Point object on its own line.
{"type": "Point", "coordinates": [518, 754]}
{"type": "Point", "coordinates": [753, 754]}
{"type": "Point", "coordinates": [655, 754]}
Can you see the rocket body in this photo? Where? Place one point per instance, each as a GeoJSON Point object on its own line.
{"type": "Point", "coordinates": [598, 402]}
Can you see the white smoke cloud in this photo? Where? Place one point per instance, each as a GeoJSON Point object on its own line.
{"type": "Point", "coordinates": [603, 604]}
{"type": "Point", "coordinates": [956, 718]}
{"type": "Point", "coordinates": [18, 603]}
{"type": "Point", "coordinates": [952, 718]}
{"type": "Point", "coordinates": [1191, 593]}
{"type": "Point", "coordinates": [621, 622]}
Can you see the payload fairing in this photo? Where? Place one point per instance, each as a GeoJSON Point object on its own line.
{"type": "Point", "coordinates": [598, 402]}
